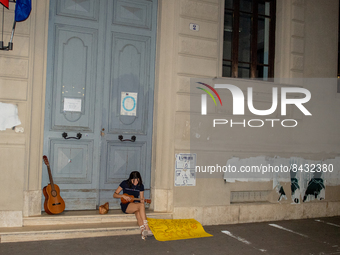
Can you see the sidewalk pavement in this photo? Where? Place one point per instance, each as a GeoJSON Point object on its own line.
{"type": "Point", "coordinates": [308, 236]}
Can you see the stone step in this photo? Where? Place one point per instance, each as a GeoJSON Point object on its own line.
{"type": "Point", "coordinates": [85, 217]}
{"type": "Point", "coordinates": [71, 231]}
{"type": "Point", "coordinates": [75, 224]}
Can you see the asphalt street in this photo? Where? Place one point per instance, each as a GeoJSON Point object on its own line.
{"type": "Point", "coordinates": [308, 236]}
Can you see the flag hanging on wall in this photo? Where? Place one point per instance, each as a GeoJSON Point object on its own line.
{"type": "Point", "coordinates": [5, 3]}
{"type": "Point", "coordinates": [22, 10]}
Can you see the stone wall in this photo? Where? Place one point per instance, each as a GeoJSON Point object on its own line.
{"type": "Point", "coordinates": [302, 27]}
{"type": "Point", "coordinates": [22, 83]}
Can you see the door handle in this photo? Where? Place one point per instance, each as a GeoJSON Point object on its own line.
{"type": "Point", "coordinates": [133, 139]}
{"type": "Point", "coordinates": [79, 135]}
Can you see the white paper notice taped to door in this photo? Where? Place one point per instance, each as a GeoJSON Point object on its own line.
{"type": "Point", "coordinates": [128, 104]}
{"type": "Point", "coordinates": [72, 104]}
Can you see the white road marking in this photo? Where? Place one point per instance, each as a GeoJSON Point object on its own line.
{"type": "Point", "coordinates": [241, 240]}
{"type": "Point", "coordinates": [236, 237]}
{"type": "Point", "coordinates": [332, 224]}
{"type": "Point", "coordinates": [286, 229]}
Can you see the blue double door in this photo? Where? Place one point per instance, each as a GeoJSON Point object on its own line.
{"type": "Point", "coordinates": [100, 83]}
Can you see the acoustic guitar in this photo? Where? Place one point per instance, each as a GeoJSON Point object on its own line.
{"type": "Point", "coordinates": [54, 203]}
{"type": "Point", "coordinates": [148, 201]}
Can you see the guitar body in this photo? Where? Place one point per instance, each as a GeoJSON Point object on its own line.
{"type": "Point", "coordinates": [125, 201]}
{"type": "Point", "coordinates": [54, 204]}
{"type": "Point", "coordinates": [46, 199]}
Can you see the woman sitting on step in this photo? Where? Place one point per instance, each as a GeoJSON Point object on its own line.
{"type": "Point", "coordinates": [134, 186]}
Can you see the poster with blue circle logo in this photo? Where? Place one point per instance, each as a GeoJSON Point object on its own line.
{"type": "Point", "coordinates": [128, 104]}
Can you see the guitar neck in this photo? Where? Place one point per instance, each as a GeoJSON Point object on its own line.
{"type": "Point", "coordinates": [49, 171]}
{"type": "Point", "coordinates": [148, 201]}
{"type": "Point", "coordinates": [139, 199]}
{"type": "Point", "coordinates": [50, 176]}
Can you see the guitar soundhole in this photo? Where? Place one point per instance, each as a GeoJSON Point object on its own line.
{"type": "Point", "coordinates": [54, 193]}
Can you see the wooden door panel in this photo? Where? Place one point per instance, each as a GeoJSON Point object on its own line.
{"type": "Point", "coordinates": [74, 66]}
{"type": "Point", "coordinates": [133, 13]}
{"type": "Point", "coordinates": [71, 162]}
{"type": "Point", "coordinates": [130, 66]}
{"type": "Point", "coordinates": [79, 9]}
{"type": "Point", "coordinates": [122, 159]}
{"type": "Point", "coordinates": [76, 35]}
{"type": "Point", "coordinates": [119, 160]}
{"type": "Point", "coordinates": [71, 167]}
{"type": "Point", "coordinates": [80, 199]}
{"type": "Point", "coordinates": [98, 49]}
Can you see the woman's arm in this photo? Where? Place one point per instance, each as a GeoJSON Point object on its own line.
{"type": "Point", "coordinates": [116, 194]}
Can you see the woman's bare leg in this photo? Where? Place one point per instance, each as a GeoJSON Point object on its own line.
{"type": "Point", "coordinates": [135, 208]}
{"type": "Point", "coordinates": [140, 208]}
{"type": "Point", "coordinates": [139, 219]}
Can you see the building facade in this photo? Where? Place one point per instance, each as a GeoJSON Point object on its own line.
{"type": "Point", "coordinates": [306, 46]}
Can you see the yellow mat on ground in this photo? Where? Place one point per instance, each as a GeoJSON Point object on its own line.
{"type": "Point", "coordinates": [167, 230]}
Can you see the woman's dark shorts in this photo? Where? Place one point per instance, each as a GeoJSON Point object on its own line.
{"type": "Point", "coordinates": [123, 207]}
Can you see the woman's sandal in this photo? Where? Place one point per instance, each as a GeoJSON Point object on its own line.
{"type": "Point", "coordinates": [149, 232]}
{"type": "Point", "coordinates": [144, 232]}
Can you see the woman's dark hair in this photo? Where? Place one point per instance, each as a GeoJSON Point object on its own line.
{"type": "Point", "coordinates": [135, 175]}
